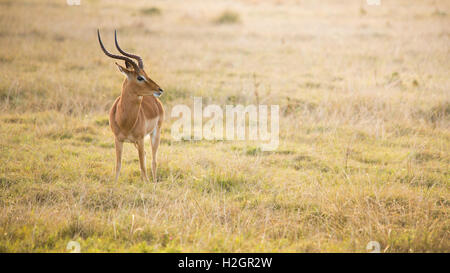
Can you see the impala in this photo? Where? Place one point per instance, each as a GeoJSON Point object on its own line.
{"type": "Point", "coordinates": [137, 112]}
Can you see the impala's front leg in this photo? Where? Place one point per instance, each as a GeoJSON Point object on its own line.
{"type": "Point", "coordinates": [155, 144]}
{"type": "Point", "coordinates": [141, 150]}
{"type": "Point", "coordinates": [119, 149]}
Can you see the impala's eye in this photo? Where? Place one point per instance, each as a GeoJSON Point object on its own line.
{"type": "Point", "coordinates": [140, 78]}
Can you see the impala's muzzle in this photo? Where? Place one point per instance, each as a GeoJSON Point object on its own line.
{"type": "Point", "coordinates": [159, 93]}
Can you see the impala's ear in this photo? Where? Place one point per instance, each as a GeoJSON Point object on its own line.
{"type": "Point", "coordinates": [124, 70]}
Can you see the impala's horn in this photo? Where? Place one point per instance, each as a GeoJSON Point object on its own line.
{"type": "Point", "coordinates": [128, 61]}
{"type": "Point", "coordinates": [136, 57]}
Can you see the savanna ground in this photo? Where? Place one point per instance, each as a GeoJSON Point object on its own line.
{"type": "Point", "coordinates": [364, 127]}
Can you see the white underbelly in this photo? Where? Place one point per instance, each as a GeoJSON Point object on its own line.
{"type": "Point", "coordinates": [150, 126]}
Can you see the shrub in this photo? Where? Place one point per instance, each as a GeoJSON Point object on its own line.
{"type": "Point", "coordinates": [151, 11]}
{"type": "Point", "coordinates": [228, 17]}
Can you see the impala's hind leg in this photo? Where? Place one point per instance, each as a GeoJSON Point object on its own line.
{"type": "Point", "coordinates": [119, 149]}
{"type": "Point", "coordinates": [154, 141]}
{"type": "Point", "coordinates": [141, 150]}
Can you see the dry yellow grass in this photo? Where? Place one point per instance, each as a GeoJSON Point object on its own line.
{"type": "Point", "coordinates": [364, 143]}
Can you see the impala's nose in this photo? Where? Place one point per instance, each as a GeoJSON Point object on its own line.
{"type": "Point", "coordinates": [159, 93]}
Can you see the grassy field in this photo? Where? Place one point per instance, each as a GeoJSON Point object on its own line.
{"type": "Point", "coordinates": [364, 127]}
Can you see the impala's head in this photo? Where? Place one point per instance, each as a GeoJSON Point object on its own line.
{"type": "Point", "coordinates": [138, 81]}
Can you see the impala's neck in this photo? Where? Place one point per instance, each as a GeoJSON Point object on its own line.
{"type": "Point", "coordinates": [128, 108]}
